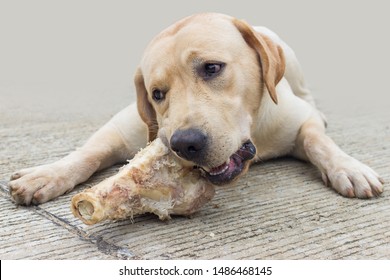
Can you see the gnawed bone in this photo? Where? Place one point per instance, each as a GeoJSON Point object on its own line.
{"type": "Point", "coordinates": [154, 181]}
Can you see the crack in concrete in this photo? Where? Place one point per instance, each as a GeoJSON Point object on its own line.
{"type": "Point", "coordinates": [102, 245]}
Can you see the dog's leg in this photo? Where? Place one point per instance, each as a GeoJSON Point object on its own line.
{"type": "Point", "coordinates": [115, 142]}
{"type": "Point", "coordinates": [345, 174]}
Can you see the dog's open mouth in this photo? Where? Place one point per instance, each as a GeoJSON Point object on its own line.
{"type": "Point", "coordinates": [226, 172]}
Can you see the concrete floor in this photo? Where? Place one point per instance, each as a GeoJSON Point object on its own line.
{"type": "Point", "coordinates": [279, 210]}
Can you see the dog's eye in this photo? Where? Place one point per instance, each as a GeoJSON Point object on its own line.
{"type": "Point", "coordinates": [158, 95]}
{"type": "Point", "coordinates": [210, 70]}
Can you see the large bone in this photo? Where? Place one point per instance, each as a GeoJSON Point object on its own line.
{"type": "Point", "coordinates": [153, 181]}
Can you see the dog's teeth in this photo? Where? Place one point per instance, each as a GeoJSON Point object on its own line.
{"type": "Point", "coordinates": [220, 171]}
{"type": "Point", "coordinates": [206, 169]}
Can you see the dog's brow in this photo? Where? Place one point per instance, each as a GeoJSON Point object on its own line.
{"type": "Point", "coordinates": [190, 56]}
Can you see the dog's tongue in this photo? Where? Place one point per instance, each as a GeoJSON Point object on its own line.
{"type": "Point", "coordinates": [228, 171]}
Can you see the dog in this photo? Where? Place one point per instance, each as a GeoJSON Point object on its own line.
{"type": "Point", "coordinates": [221, 95]}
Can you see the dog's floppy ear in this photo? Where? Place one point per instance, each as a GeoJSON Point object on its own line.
{"type": "Point", "coordinates": [145, 109]}
{"type": "Point", "coordinates": [271, 56]}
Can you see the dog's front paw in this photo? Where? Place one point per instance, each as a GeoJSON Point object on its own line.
{"type": "Point", "coordinates": [351, 178]}
{"type": "Point", "coordinates": [39, 184]}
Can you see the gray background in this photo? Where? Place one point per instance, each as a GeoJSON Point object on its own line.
{"type": "Point", "coordinates": [81, 55]}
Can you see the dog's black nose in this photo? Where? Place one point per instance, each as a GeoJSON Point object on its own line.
{"type": "Point", "coordinates": [189, 143]}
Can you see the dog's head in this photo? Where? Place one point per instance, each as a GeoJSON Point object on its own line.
{"type": "Point", "coordinates": [199, 87]}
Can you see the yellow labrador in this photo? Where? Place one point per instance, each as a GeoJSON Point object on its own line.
{"type": "Point", "coordinates": [221, 94]}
